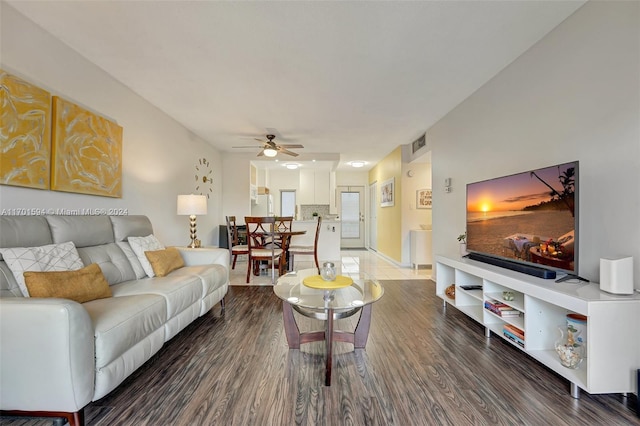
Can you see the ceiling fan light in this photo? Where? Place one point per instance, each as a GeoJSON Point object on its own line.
{"type": "Point", "coordinates": [270, 152]}
{"type": "Point", "coordinates": [357, 164]}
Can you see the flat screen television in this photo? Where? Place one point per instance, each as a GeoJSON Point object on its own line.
{"type": "Point", "coordinates": [529, 218]}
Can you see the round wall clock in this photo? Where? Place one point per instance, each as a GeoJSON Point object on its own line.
{"type": "Point", "coordinates": [204, 177]}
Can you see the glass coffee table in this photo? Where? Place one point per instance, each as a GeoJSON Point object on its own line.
{"type": "Point", "coordinates": [355, 294]}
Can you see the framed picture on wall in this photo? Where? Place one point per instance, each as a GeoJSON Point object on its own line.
{"type": "Point", "coordinates": [387, 193]}
{"type": "Point", "coordinates": [423, 198]}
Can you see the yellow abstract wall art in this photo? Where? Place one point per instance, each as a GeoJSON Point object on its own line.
{"type": "Point", "coordinates": [25, 133]}
{"type": "Point", "coordinates": [86, 151]}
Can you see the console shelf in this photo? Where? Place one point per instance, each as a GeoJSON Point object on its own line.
{"type": "Point", "coordinates": [613, 343]}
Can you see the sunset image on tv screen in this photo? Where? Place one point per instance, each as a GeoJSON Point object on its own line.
{"type": "Point", "coordinates": [528, 217]}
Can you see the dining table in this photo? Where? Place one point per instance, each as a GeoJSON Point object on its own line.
{"type": "Point", "coordinates": [282, 241]}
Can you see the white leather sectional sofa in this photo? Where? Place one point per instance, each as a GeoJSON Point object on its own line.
{"type": "Point", "coordinates": [57, 355]}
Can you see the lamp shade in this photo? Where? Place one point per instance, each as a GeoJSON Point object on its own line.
{"type": "Point", "coordinates": [192, 204]}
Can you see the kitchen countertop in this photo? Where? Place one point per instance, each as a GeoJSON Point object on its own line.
{"type": "Point", "coordinates": [314, 221]}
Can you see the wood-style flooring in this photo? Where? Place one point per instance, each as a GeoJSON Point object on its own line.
{"type": "Point", "coordinates": [423, 365]}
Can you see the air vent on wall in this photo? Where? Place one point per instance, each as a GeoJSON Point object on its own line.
{"type": "Point", "coordinates": [418, 143]}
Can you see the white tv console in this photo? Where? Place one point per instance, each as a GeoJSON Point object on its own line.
{"type": "Point", "coordinates": [613, 321]}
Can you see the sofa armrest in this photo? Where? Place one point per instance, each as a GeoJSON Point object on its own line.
{"type": "Point", "coordinates": [204, 256]}
{"type": "Point", "coordinates": [47, 355]}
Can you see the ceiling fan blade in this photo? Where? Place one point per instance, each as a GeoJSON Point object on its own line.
{"type": "Point", "coordinates": [286, 151]}
{"type": "Point", "coordinates": [289, 145]}
{"type": "Point", "coordinates": [260, 154]}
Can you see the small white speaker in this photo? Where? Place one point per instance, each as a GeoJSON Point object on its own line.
{"type": "Point", "coordinates": [616, 275]}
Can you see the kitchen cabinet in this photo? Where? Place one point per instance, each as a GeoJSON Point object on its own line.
{"type": "Point", "coordinates": [314, 187]}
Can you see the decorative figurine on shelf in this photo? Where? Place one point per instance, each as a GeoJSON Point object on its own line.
{"type": "Point", "coordinates": [462, 239]}
{"type": "Point", "coordinates": [450, 291]}
{"type": "Point", "coordinates": [571, 352]}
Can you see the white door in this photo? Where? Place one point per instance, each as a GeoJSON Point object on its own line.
{"type": "Point", "coordinates": [373, 216]}
{"type": "Point", "coordinates": [351, 209]}
{"type": "Point", "coordinates": [287, 202]}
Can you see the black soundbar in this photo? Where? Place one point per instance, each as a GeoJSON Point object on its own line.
{"type": "Point", "coordinates": [519, 267]}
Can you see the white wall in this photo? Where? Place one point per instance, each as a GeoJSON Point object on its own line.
{"type": "Point", "coordinates": [412, 217]}
{"type": "Point", "coordinates": [236, 186]}
{"type": "Point", "coordinates": [159, 155]}
{"type": "Point", "coordinates": [575, 95]}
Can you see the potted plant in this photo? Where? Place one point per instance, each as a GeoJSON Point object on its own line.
{"type": "Point", "coordinates": [462, 239]}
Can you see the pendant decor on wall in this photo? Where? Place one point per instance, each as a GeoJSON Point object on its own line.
{"type": "Point", "coordinates": [86, 151]}
{"type": "Point", "coordinates": [25, 133]}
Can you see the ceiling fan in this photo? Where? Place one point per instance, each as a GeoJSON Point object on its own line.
{"type": "Point", "coordinates": [271, 149]}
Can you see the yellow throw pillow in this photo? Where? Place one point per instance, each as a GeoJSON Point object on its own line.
{"type": "Point", "coordinates": [81, 285]}
{"type": "Point", "coordinates": [164, 261]}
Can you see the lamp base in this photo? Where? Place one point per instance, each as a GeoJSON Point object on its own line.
{"type": "Point", "coordinates": [195, 243]}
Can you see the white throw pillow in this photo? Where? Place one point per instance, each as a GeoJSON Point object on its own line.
{"type": "Point", "coordinates": [52, 257]}
{"type": "Point", "coordinates": [133, 259]}
{"type": "Point", "coordinates": [141, 244]}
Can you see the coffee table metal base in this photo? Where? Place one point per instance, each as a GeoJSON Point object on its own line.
{"type": "Point", "coordinates": [358, 338]}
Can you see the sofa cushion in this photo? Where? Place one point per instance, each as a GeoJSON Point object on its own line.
{"type": "Point", "coordinates": [115, 265]}
{"type": "Point", "coordinates": [121, 322]}
{"type": "Point", "coordinates": [82, 285]}
{"type": "Point", "coordinates": [51, 257]}
{"type": "Point", "coordinates": [164, 261]}
{"type": "Point", "coordinates": [130, 226]}
{"type": "Point", "coordinates": [179, 292]}
{"type": "Point", "coordinates": [141, 244]}
{"type": "Point", "coordinates": [24, 231]}
{"type": "Point", "coordinates": [212, 277]}
{"type": "Point", "coordinates": [84, 231]}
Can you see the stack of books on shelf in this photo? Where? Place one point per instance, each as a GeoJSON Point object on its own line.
{"type": "Point", "coordinates": [500, 309]}
{"type": "Point", "coordinates": [514, 334]}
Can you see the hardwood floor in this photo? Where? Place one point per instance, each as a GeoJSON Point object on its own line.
{"type": "Point", "coordinates": [423, 365]}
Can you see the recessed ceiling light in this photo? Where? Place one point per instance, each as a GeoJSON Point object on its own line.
{"type": "Point", "coordinates": [291, 166]}
{"type": "Point", "coordinates": [357, 163]}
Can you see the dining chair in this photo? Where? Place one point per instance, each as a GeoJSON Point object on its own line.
{"type": "Point", "coordinates": [282, 224]}
{"type": "Point", "coordinates": [306, 250]}
{"type": "Point", "coordinates": [235, 248]}
{"type": "Point", "coordinates": [261, 247]}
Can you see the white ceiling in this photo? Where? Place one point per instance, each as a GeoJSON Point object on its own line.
{"type": "Point", "coordinates": [352, 79]}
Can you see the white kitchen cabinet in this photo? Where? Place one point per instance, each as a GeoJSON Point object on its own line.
{"type": "Point", "coordinates": [321, 186]}
{"type": "Point", "coordinates": [314, 187]}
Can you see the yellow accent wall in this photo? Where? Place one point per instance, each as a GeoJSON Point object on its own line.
{"type": "Point", "coordinates": [389, 218]}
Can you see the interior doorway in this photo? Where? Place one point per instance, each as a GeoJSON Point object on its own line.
{"type": "Point", "coordinates": [350, 205]}
{"type": "Point", "coordinates": [373, 216]}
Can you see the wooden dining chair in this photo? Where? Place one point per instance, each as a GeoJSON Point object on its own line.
{"type": "Point", "coordinates": [235, 248]}
{"type": "Point", "coordinates": [306, 250]}
{"type": "Point", "coordinates": [261, 247]}
{"type": "Point", "coordinates": [282, 224]}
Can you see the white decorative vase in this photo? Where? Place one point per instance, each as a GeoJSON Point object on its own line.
{"type": "Point", "coordinates": [463, 249]}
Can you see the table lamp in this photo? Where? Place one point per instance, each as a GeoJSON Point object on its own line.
{"type": "Point", "coordinates": [192, 205]}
